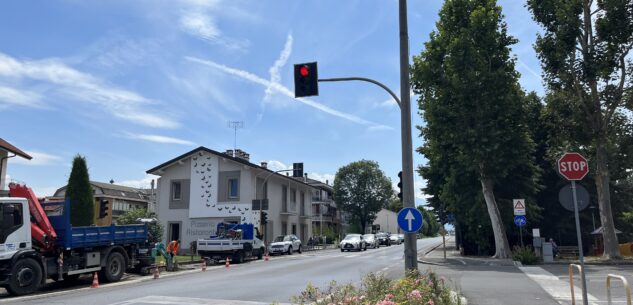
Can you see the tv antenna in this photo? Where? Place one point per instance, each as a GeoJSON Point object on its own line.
{"type": "Point", "coordinates": [235, 125]}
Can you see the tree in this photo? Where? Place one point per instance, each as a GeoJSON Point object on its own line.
{"type": "Point", "coordinates": [472, 105]}
{"type": "Point", "coordinates": [361, 189]}
{"type": "Point", "coordinates": [584, 51]}
{"type": "Point", "coordinates": [431, 226]}
{"type": "Point", "coordinates": [79, 192]}
{"type": "Point", "coordinates": [395, 204]}
{"type": "Point", "coordinates": [155, 228]}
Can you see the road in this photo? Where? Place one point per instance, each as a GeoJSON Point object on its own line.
{"type": "Point", "coordinates": [276, 280]}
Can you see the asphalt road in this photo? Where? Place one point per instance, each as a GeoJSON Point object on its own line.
{"type": "Point", "coordinates": [276, 280]}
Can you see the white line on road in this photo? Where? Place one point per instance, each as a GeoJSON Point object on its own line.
{"type": "Point", "coordinates": [558, 289]}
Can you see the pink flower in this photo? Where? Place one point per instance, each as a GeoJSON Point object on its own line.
{"type": "Point", "coordinates": [389, 297]}
{"type": "Point", "coordinates": [430, 302]}
{"type": "Point", "coordinates": [415, 294]}
{"type": "Point", "coordinates": [385, 302]}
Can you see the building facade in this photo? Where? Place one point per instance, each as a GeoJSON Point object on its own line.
{"type": "Point", "coordinates": [203, 187]}
{"type": "Point", "coordinates": [326, 218]}
{"type": "Point", "coordinates": [120, 199]}
{"type": "Point", "coordinates": [386, 221]}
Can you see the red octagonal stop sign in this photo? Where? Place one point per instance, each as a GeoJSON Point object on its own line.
{"type": "Point", "coordinates": [573, 166]}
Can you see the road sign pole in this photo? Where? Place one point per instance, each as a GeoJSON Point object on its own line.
{"type": "Point", "coordinates": [580, 254]}
{"type": "Point", "coordinates": [521, 235]}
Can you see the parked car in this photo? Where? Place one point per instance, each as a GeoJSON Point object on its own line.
{"type": "Point", "coordinates": [394, 239]}
{"type": "Point", "coordinates": [353, 242]}
{"type": "Point", "coordinates": [285, 244]}
{"type": "Point", "coordinates": [371, 240]}
{"type": "Point", "coordinates": [401, 238]}
{"type": "Point", "coordinates": [383, 239]}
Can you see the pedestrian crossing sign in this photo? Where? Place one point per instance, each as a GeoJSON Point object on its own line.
{"type": "Point", "coordinates": [519, 206]}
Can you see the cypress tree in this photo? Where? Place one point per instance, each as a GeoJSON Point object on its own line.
{"type": "Point", "coordinates": [79, 192]}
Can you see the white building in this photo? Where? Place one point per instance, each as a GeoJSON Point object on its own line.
{"type": "Point", "coordinates": [203, 187]}
{"type": "Point", "coordinates": [388, 221]}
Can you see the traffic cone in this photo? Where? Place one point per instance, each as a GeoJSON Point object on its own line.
{"type": "Point", "coordinates": [227, 263]}
{"type": "Point", "coordinates": [95, 281]}
{"type": "Point", "coordinates": [266, 257]}
{"type": "Point", "coordinates": [156, 272]}
{"type": "Point", "coordinates": [204, 265]}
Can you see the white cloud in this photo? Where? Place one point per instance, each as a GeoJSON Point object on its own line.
{"type": "Point", "coordinates": [387, 103]}
{"type": "Point", "coordinates": [13, 97]}
{"type": "Point", "coordinates": [322, 177]}
{"type": "Point", "coordinates": [275, 76]}
{"type": "Point", "coordinates": [281, 89]}
{"type": "Point", "coordinates": [379, 128]}
{"type": "Point", "coordinates": [198, 20]}
{"type": "Point", "coordinates": [121, 103]}
{"type": "Point", "coordinates": [159, 139]}
{"type": "Point", "coordinates": [143, 183]}
{"type": "Point", "coordinates": [39, 159]}
{"type": "Point", "coordinates": [275, 165]}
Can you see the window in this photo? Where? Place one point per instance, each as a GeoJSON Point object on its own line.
{"type": "Point", "coordinates": [234, 188]}
{"type": "Point", "coordinates": [293, 195]}
{"type": "Point", "coordinates": [176, 193]}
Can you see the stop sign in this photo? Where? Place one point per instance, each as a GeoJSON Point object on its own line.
{"type": "Point", "coordinates": [573, 166]}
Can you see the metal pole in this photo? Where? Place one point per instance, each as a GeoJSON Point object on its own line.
{"type": "Point", "coordinates": [521, 235]}
{"type": "Point", "coordinates": [580, 254]}
{"type": "Point", "coordinates": [410, 242]}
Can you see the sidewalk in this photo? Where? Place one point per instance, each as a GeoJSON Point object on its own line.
{"type": "Point", "coordinates": [485, 281]}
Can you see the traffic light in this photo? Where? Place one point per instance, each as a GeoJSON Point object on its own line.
{"type": "Point", "coordinates": [103, 208]}
{"type": "Point", "coordinates": [297, 170]}
{"type": "Point", "coordinates": [264, 219]}
{"type": "Point", "coordinates": [400, 185]}
{"type": "Point", "coordinates": [306, 79]}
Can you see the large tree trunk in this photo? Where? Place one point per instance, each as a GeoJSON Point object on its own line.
{"type": "Point", "coordinates": [611, 248]}
{"type": "Point", "coordinates": [502, 247]}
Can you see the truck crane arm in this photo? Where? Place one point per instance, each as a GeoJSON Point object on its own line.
{"type": "Point", "coordinates": [41, 229]}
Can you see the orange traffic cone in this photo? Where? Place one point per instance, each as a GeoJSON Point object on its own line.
{"type": "Point", "coordinates": [156, 272]}
{"type": "Point", "coordinates": [227, 263]}
{"type": "Point", "coordinates": [204, 265]}
{"type": "Point", "coordinates": [95, 281]}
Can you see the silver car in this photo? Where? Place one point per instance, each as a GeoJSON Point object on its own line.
{"type": "Point", "coordinates": [285, 244]}
{"type": "Point", "coordinates": [372, 241]}
{"type": "Point", "coordinates": [353, 242]}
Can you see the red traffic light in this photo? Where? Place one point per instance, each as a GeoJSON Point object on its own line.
{"type": "Point", "coordinates": [304, 71]}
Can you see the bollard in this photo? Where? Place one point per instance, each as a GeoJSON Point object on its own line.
{"type": "Point", "coordinates": [204, 265]}
{"type": "Point", "coordinates": [571, 280]}
{"type": "Point", "coordinates": [627, 288]}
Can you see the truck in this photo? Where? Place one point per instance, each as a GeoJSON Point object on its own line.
{"type": "Point", "coordinates": [236, 242]}
{"type": "Point", "coordinates": [38, 242]}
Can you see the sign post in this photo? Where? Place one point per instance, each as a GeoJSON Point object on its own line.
{"type": "Point", "coordinates": [519, 210]}
{"type": "Point", "coordinates": [573, 166]}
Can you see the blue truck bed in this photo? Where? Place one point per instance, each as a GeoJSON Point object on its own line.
{"type": "Point", "coordinates": [70, 237]}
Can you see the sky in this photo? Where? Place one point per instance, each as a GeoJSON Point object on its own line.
{"type": "Point", "coordinates": [132, 84]}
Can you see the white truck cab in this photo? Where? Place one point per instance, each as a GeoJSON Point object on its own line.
{"type": "Point", "coordinates": [15, 226]}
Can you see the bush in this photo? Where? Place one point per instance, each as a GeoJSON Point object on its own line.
{"type": "Point", "coordinates": [525, 255]}
{"type": "Point", "coordinates": [414, 288]}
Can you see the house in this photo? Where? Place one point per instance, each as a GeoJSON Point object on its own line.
{"type": "Point", "coordinates": [203, 187]}
{"type": "Point", "coordinates": [120, 199]}
{"type": "Point", "coordinates": [386, 221]}
{"type": "Point", "coordinates": [325, 216]}
{"type": "Point", "coordinates": [5, 150]}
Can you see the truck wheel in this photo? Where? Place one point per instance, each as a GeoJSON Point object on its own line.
{"type": "Point", "coordinates": [290, 250]}
{"type": "Point", "coordinates": [238, 257]}
{"type": "Point", "coordinates": [26, 276]}
{"type": "Point", "coordinates": [299, 250]}
{"type": "Point", "coordinates": [114, 268]}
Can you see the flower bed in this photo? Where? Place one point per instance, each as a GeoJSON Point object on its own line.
{"type": "Point", "coordinates": [415, 288]}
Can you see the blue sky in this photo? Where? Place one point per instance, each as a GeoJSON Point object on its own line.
{"type": "Point", "coordinates": [131, 84]}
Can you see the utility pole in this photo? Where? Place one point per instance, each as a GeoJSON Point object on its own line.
{"type": "Point", "coordinates": [408, 194]}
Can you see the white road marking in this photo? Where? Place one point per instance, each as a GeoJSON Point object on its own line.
{"type": "Point", "coordinates": [461, 261]}
{"type": "Point", "coordinates": [165, 300]}
{"type": "Point", "coordinates": [558, 289]}
{"type": "Point", "coordinates": [350, 256]}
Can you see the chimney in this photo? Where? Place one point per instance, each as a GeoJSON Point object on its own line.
{"type": "Point", "coordinates": [264, 164]}
{"type": "Point", "coordinates": [246, 156]}
{"type": "Point", "coordinates": [229, 152]}
{"type": "Point", "coordinates": [327, 182]}
{"type": "Point", "coordinates": [305, 178]}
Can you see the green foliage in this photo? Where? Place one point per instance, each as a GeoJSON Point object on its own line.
{"type": "Point", "coordinates": [80, 194]}
{"type": "Point", "coordinates": [415, 288]}
{"type": "Point", "coordinates": [585, 49]}
{"type": "Point", "coordinates": [362, 190]}
{"type": "Point", "coordinates": [476, 127]}
{"type": "Point", "coordinates": [155, 229]}
{"type": "Point", "coordinates": [431, 225]}
{"type": "Point", "coordinates": [395, 205]}
{"type": "Point", "coordinates": [525, 255]}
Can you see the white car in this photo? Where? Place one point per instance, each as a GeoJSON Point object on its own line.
{"type": "Point", "coordinates": [353, 242]}
{"type": "Point", "coordinates": [395, 240]}
{"type": "Point", "coordinates": [285, 244]}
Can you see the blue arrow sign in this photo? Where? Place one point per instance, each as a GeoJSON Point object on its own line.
{"type": "Point", "coordinates": [520, 220]}
{"type": "Point", "coordinates": [410, 220]}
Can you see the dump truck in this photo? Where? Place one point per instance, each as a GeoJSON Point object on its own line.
{"type": "Point", "coordinates": [38, 242]}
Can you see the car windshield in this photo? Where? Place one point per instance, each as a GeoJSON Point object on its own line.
{"type": "Point", "coordinates": [279, 239]}
{"type": "Point", "coordinates": [368, 236]}
{"type": "Point", "coordinates": [352, 237]}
